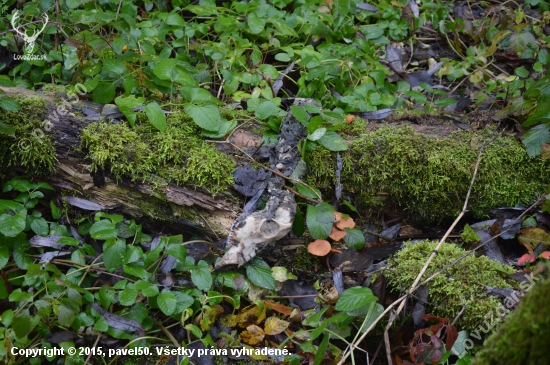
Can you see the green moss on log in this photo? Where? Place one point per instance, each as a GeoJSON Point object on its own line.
{"type": "Point", "coordinates": [430, 176]}
{"type": "Point", "coordinates": [523, 338]}
{"type": "Point", "coordinates": [178, 154]}
{"type": "Point", "coordinates": [462, 284]}
{"type": "Point", "coordinates": [30, 148]}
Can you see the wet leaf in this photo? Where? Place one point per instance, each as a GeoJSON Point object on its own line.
{"type": "Point", "coordinates": [533, 236]}
{"type": "Point", "coordinates": [274, 326]}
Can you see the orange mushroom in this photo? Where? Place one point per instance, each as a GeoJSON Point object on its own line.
{"type": "Point", "coordinates": [319, 247]}
{"type": "Point", "coordinates": [337, 234]}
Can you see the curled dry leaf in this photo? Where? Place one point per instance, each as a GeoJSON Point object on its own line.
{"type": "Point", "coordinates": [253, 335]}
{"type": "Point", "coordinates": [337, 234]}
{"type": "Point", "coordinates": [319, 248]}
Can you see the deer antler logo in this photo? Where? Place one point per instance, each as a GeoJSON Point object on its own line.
{"type": "Point", "coordinates": [30, 41]}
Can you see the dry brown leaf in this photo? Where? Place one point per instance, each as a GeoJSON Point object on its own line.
{"type": "Point", "coordinates": [253, 335]}
{"type": "Point", "coordinates": [278, 307]}
{"type": "Point", "coordinates": [319, 248]}
{"type": "Point", "coordinates": [274, 326]}
{"type": "Point", "coordinates": [337, 234]}
{"type": "Point", "coordinates": [250, 315]}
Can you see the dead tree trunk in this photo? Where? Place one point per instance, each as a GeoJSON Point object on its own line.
{"type": "Point", "coordinates": [173, 206]}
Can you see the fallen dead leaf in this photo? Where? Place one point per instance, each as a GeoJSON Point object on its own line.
{"type": "Point", "coordinates": [278, 307]}
{"type": "Point", "coordinates": [253, 335]}
{"type": "Point", "coordinates": [274, 326]}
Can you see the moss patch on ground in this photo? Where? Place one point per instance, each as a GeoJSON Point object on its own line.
{"type": "Point", "coordinates": [463, 283]}
{"type": "Point", "coordinates": [523, 338]}
{"type": "Point", "coordinates": [30, 148]}
{"type": "Point", "coordinates": [430, 176]}
{"type": "Point", "coordinates": [178, 154]}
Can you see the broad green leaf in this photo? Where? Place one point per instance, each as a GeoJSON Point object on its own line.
{"type": "Point", "coordinates": [266, 110]}
{"type": "Point", "coordinates": [65, 316]}
{"type": "Point", "coordinates": [354, 298]}
{"type": "Point", "coordinates": [129, 114]}
{"type": "Point", "coordinates": [320, 353]}
{"type": "Point", "coordinates": [534, 139]}
{"type": "Point", "coordinates": [542, 116]}
{"type": "Point", "coordinates": [309, 192]}
{"type": "Point", "coordinates": [167, 302]}
{"type": "Point", "coordinates": [298, 226]}
{"type": "Point", "coordinates": [469, 235]}
{"type": "Point", "coordinates": [129, 101]}
{"type": "Point", "coordinates": [175, 19]}
{"type": "Point", "coordinates": [319, 220]}
{"type": "Point", "coordinates": [300, 114]}
{"type": "Point", "coordinates": [255, 24]}
{"type": "Point", "coordinates": [317, 134]}
{"type": "Point", "coordinates": [282, 57]}
{"type": "Point", "coordinates": [150, 291]}
{"type": "Point", "coordinates": [354, 238]}
{"type": "Point", "coordinates": [178, 251]}
{"type": "Point", "coordinates": [106, 296]}
{"type": "Point", "coordinates": [127, 296]}
{"type": "Point", "coordinates": [259, 274]}
{"type": "Point", "coordinates": [333, 142]}
{"type": "Point", "coordinates": [184, 301]}
{"type": "Point", "coordinates": [132, 254]}
{"type": "Point", "coordinates": [113, 251]}
{"type": "Point", "coordinates": [206, 116]}
{"type": "Point", "coordinates": [374, 311]}
{"type": "Point", "coordinates": [21, 324]}
{"type": "Point", "coordinates": [104, 93]}
{"type": "Point", "coordinates": [6, 129]}
{"type": "Point", "coordinates": [201, 276]}
{"type": "Point", "coordinates": [9, 104]}
{"type": "Point", "coordinates": [4, 256]}
{"type": "Point", "coordinates": [225, 127]}
{"type": "Point", "coordinates": [445, 102]}
{"type": "Point", "coordinates": [156, 116]}
{"type": "Point", "coordinates": [114, 66]}
{"type": "Point", "coordinates": [10, 204]}
{"type": "Point", "coordinates": [103, 230]}
{"type": "Point", "coordinates": [12, 225]}
{"type": "Point", "coordinates": [40, 226]}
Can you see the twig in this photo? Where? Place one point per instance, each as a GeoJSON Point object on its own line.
{"type": "Point", "coordinates": [91, 352]}
{"type": "Point", "coordinates": [387, 337]}
{"type": "Point", "coordinates": [376, 353]}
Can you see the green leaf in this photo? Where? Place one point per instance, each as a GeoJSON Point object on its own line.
{"type": "Point", "coordinates": [469, 235]}
{"type": "Point", "coordinates": [266, 110]}
{"type": "Point", "coordinates": [103, 230]}
{"type": "Point", "coordinates": [6, 129]}
{"type": "Point", "coordinates": [21, 324]}
{"type": "Point", "coordinates": [354, 238]}
{"type": "Point", "coordinates": [4, 256]}
{"type": "Point", "coordinates": [319, 220]}
{"type": "Point", "coordinates": [206, 116]}
{"type": "Point", "coordinates": [112, 254]}
{"type": "Point", "coordinates": [150, 291]}
{"type": "Point", "coordinates": [354, 298]}
{"type": "Point", "coordinates": [534, 139]}
{"type": "Point", "coordinates": [40, 226]}
{"type": "Point", "coordinates": [374, 311]}
{"type": "Point", "coordinates": [156, 116]}
{"type": "Point", "coordinates": [10, 204]}
{"type": "Point", "coordinates": [259, 274]}
{"type": "Point", "coordinates": [104, 93]}
{"type": "Point", "coordinates": [65, 316]}
{"type": "Point", "coordinates": [201, 276]}
{"type": "Point", "coordinates": [317, 134]}
{"type": "Point", "coordinates": [12, 225]}
{"type": "Point", "coordinates": [114, 66]}
{"type": "Point", "coordinates": [541, 116]}
{"type": "Point", "coordinates": [194, 330]}
{"type": "Point", "coordinates": [333, 142]}
{"type": "Point", "coordinates": [308, 192]}
{"type": "Point", "coordinates": [255, 24]}
{"type": "Point", "coordinates": [175, 19]}
{"type": "Point", "coordinates": [320, 353]}
{"type": "Point", "coordinates": [127, 296]}
{"type": "Point", "coordinates": [9, 104]}
{"type": "Point", "coordinates": [168, 69]}
{"type": "Point", "coordinates": [132, 254]}
{"type": "Point", "coordinates": [106, 295]}
{"type": "Point", "coordinates": [282, 57]}
{"type": "Point", "coordinates": [167, 302]}
{"type": "Point", "coordinates": [129, 114]}
{"type": "Point", "coordinates": [300, 114]}
{"type": "Point", "coordinates": [445, 102]}
{"type": "Point", "coordinates": [129, 101]}
{"type": "Point", "coordinates": [298, 226]}
{"type": "Point", "coordinates": [178, 251]}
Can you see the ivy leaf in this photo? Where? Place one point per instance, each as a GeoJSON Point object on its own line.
{"type": "Point", "coordinates": [534, 139]}
{"type": "Point", "coordinates": [156, 116]}
{"type": "Point", "coordinates": [333, 142]}
{"type": "Point", "coordinates": [354, 238]}
{"type": "Point", "coordinates": [319, 220]}
{"type": "Point", "coordinates": [201, 276]}
{"type": "Point", "coordinates": [354, 298]}
{"type": "Point", "coordinates": [167, 302]}
{"type": "Point", "coordinates": [205, 116]}
{"type": "Point", "coordinates": [259, 274]}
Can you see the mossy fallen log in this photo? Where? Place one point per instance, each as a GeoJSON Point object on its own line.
{"type": "Point", "coordinates": [428, 174]}
{"type": "Point", "coordinates": [523, 338]}
{"type": "Point", "coordinates": [48, 144]}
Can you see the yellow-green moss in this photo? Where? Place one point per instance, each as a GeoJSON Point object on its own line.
{"type": "Point", "coordinates": [31, 148]}
{"type": "Point", "coordinates": [430, 176]}
{"type": "Point", "coordinates": [177, 154]}
{"type": "Point", "coordinates": [523, 338]}
{"type": "Point", "coordinates": [463, 283]}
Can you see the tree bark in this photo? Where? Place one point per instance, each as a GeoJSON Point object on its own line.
{"type": "Point", "coordinates": [173, 207]}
